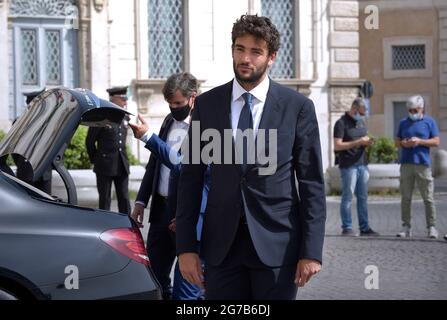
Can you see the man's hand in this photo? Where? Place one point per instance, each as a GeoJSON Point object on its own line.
{"type": "Point", "coordinates": [138, 214]}
{"type": "Point", "coordinates": [139, 129]}
{"type": "Point", "coordinates": [172, 226]}
{"type": "Point", "coordinates": [365, 141]}
{"type": "Point", "coordinates": [191, 268]}
{"type": "Point", "coordinates": [410, 143]}
{"type": "Point", "coordinates": [405, 143]}
{"type": "Point", "coordinates": [305, 270]}
{"type": "Point", "coordinates": [414, 142]}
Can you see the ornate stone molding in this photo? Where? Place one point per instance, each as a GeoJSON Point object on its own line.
{"type": "Point", "coordinates": [302, 86]}
{"type": "Point", "coordinates": [143, 90]}
{"type": "Point", "coordinates": [45, 8]}
{"type": "Point", "coordinates": [343, 92]}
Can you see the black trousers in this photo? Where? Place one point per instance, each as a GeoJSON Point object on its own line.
{"type": "Point", "coordinates": [161, 246]}
{"type": "Point", "coordinates": [104, 184]}
{"type": "Point", "coordinates": [243, 276]}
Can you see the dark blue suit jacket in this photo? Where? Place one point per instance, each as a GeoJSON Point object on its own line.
{"type": "Point", "coordinates": [149, 184]}
{"type": "Point", "coordinates": [286, 223]}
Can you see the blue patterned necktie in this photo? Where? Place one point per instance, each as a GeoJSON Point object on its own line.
{"type": "Point", "coordinates": [245, 122]}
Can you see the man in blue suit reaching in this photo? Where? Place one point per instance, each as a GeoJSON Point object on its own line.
{"type": "Point", "coordinates": [182, 289]}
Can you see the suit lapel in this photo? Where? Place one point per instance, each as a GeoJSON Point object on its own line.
{"type": "Point", "coordinates": [224, 106]}
{"type": "Point", "coordinates": [164, 130]}
{"type": "Point", "coordinates": [271, 109]}
{"type": "Point", "coordinates": [269, 117]}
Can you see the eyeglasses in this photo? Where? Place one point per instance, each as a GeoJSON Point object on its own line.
{"type": "Point", "coordinates": [413, 111]}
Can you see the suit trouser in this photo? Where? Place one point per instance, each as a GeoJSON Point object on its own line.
{"type": "Point", "coordinates": [243, 276]}
{"type": "Point", "coordinates": [161, 246]}
{"type": "Point", "coordinates": [104, 184]}
{"type": "Point", "coordinates": [411, 174]}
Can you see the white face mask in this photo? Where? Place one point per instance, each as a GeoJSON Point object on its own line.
{"type": "Point", "coordinates": [358, 117]}
{"type": "Point", "coordinates": [415, 116]}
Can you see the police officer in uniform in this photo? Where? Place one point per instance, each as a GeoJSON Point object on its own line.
{"type": "Point", "coordinates": [106, 148]}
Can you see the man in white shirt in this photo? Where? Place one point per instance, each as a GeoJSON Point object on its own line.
{"type": "Point", "coordinates": [179, 91]}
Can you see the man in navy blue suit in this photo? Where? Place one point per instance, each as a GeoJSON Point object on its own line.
{"type": "Point", "coordinates": [262, 235]}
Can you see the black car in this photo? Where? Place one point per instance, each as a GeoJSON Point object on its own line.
{"type": "Point", "coordinates": [50, 249]}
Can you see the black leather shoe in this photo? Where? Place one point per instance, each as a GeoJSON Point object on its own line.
{"type": "Point", "coordinates": [369, 233]}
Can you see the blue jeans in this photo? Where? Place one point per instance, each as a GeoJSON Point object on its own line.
{"type": "Point", "coordinates": [354, 181]}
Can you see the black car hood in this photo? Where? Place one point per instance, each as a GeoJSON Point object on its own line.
{"type": "Point", "coordinates": [50, 122]}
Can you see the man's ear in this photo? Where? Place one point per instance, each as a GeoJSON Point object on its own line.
{"type": "Point", "coordinates": [272, 59]}
{"type": "Point", "coordinates": [193, 99]}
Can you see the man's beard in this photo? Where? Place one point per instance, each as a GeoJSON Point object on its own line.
{"type": "Point", "coordinates": [254, 77]}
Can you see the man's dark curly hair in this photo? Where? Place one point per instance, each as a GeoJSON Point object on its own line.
{"type": "Point", "coordinates": [259, 27]}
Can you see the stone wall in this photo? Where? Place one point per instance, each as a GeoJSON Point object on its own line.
{"type": "Point", "coordinates": [344, 39]}
{"type": "Point", "coordinates": [344, 81]}
{"type": "Point", "coordinates": [442, 112]}
{"type": "Point", "coordinates": [4, 63]}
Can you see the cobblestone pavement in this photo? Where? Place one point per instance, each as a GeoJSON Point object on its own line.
{"type": "Point", "coordinates": [408, 268]}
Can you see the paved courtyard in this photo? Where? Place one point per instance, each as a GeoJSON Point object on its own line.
{"type": "Point", "coordinates": [407, 268]}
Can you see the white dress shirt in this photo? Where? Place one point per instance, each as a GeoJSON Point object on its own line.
{"type": "Point", "coordinates": [176, 135]}
{"type": "Point", "coordinates": [237, 103]}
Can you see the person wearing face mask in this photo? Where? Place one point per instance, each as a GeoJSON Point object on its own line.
{"type": "Point", "coordinates": [180, 91]}
{"type": "Point", "coordinates": [415, 136]}
{"type": "Point", "coordinates": [182, 289]}
{"type": "Point", "coordinates": [350, 142]}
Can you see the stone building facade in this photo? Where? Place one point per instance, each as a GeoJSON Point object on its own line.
{"type": "Point", "coordinates": [96, 44]}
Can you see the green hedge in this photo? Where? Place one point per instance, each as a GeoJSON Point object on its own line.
{"type": "Point", "coordinates": [76, 156]}
{"type": "Point", "coordinates": [382, 151]}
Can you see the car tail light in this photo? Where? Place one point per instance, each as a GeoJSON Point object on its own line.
{"type": "Point", "coordinates": [128, 242]}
